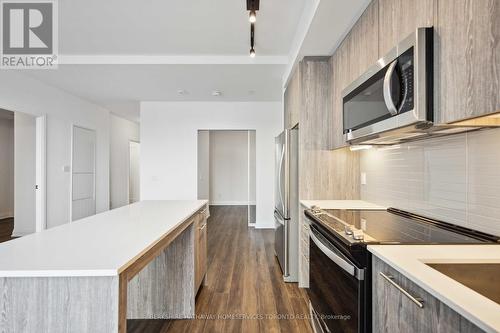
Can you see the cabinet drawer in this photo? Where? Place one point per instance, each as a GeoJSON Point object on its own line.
{"type": "Point", "coordinates": [400, 305]}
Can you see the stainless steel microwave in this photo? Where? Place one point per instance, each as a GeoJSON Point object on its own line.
{"type": "Point", "coordinates": [392, 101]}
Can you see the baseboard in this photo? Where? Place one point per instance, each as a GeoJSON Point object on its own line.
{"type": "Point", "coordinates": [229, 203]}
{"type": "Point", "coordinates": [6, 215]}
{"type": "Point", "coordinates": [20, 234]}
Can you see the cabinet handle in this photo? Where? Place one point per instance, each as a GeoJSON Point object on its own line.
{"type": "Point", "coordinates": [417, 300]}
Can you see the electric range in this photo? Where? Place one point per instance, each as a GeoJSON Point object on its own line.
{"type": "Point", "coordinates": [340, 264]}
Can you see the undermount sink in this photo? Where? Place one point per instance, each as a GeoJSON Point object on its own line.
{"type": "Point", "coordinates": [483, 278]}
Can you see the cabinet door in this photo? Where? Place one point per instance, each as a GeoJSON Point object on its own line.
{"type": "Point", "coordinates": [393, 311]}
{"type": "Point", "coordinates": [292, 100]}
{"type": "Point", "coordinates": [358, 51]}
{"type": "Point", "coordinates": [315, 75]}
{"type": "Point", "coordinates": [399, 18]}
{"type": "Point", "coordinates": [362, 43]}
{"type": "Point", "coordinates": [467, 53]}
{"type": "Point", "coordinates": [337, 62]}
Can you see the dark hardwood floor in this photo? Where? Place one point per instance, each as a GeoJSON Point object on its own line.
{"type": "Point", "coordinates": [6, 228]}
{"type": "Point", "coordinates": [245, 291]}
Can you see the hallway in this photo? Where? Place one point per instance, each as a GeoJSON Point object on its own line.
{"type": "Point", "coordinates": [243, 281]}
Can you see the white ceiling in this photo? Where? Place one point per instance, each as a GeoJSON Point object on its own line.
{"type": "Point", "coordinates": [120, 88]}
{"type": "Point", "coordinates": [175, 27]}
{"type": "Point", "coordinates": [116, 53]}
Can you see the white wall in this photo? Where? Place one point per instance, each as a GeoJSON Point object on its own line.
{"type": "Point", "coordinates": [169, 146]}
{"type": "Point", "coordinates": [24, 94]}
{"type": "Point", "coordinates": [25, 174]}
{"type": "Point", "coordinates": [6, 168]}
{"type": "Point", "coordinates": [122, 132]}
{"type": "Point", "coordinates": [229, 167]}
{"type": "Point", "coordinates": [455, 179]}
{"type": "Point", "coordinates": [204, 165]}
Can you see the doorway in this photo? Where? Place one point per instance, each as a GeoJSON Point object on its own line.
{"type": "Point", "coordinates": [226, 168]}
{"type": "Point", "coordinates": [134, 177]}
{"type": "Point", "coordinates": [22, 174]}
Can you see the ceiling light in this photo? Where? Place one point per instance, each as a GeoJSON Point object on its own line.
{"type": "Point", "coordinates": [252, 53]}
{"type": "Point", "coordinates": [253, 16]}
{"type": "Point", "coordinates": [216, 93]}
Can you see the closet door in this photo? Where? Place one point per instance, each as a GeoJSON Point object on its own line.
{"type": "Point", "coordinates": [83, 202]}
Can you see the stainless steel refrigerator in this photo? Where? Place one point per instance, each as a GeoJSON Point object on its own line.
{"type": "Point", "coordinates": [286, 203]}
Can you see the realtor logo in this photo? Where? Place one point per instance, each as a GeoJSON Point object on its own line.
{"type": "Point", "coordinates": [29, 34]}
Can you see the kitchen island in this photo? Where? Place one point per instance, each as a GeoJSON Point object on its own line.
{"type": "Point", "coordinates": [134, 262]}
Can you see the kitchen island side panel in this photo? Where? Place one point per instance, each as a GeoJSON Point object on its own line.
{"type": "Point", "coordinates": [59, 304]}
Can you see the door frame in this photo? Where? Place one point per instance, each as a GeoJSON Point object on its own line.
{"type": "Point", "coordinates": [128, 169]}
{"type": "Point", "coordinates": [41, 173]}
{"type": "Point", "coordinates": [73, 126]}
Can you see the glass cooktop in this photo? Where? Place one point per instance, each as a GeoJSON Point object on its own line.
{"type": "Point", "coordinates": [393, 227]}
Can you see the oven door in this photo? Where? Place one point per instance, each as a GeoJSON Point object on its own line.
{"type": "Point", "coordinates": [336, 287]}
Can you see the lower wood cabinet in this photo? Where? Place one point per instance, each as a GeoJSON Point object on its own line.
{"type": "Point", "coordinates": [402, 306]}
{"type": "Point", "coordinates": [200, 250]}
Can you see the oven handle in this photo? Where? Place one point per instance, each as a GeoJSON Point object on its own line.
{"type": "Point", "coordinates": [344, 264]}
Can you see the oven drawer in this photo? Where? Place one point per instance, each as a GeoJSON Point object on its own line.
{"type": "Point", "coordinates": [336, 286]}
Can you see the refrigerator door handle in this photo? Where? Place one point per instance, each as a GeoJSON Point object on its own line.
{"type": "Point", "coordinates": [279, 180]}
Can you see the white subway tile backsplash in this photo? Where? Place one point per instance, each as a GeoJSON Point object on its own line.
{"type": "Point", "coordinates": [455, 178]}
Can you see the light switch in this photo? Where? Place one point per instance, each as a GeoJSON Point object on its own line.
{"type": "Point", "coordinates": [66, 168]}
{"type": "Point", "coordinates": [363, 178]}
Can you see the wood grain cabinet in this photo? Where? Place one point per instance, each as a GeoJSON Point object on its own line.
{"type": "Point", "coordinates": [399, 18]}
{"type": "Point", "coordinates": [393, 311]}
{"type": "Point", "coordinates": [467, 59]}
{"type": "Point", "coordinates": [355, 55]}
{"type": "Point", "coordinates": [200, 249]}
{"type": "Point", "coordinates": [292, 101]}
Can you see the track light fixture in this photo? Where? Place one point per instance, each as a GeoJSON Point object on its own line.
{"type": "Point", "coordinates": [252, 40]}
{"type": "Point", "coordinates": [253, 16]}
{"type": "Point", "coordinates": [252, 7]}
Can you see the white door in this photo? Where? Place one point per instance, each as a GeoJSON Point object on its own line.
{"type": "Point", "coordinates": [134, 172]}
{"type": "Point", "coordinates": [83, 173]}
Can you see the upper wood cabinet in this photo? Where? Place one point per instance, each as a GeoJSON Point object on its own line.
{"type": "Point", "coordinates": [315, 102]}
{"type": "Point", "coordinates": [467, 59]}
{"type": "Point", "coordinates": [358, 51]}
{"type": "Point", "coordinates": [399, 18]}
{"type": "Point", "coordinates": [362, 43]}
{"type": "Point", "coordinates": [292, 101]}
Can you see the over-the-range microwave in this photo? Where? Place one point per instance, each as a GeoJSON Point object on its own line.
{"type": "Point", "coordinates": [393, 100]}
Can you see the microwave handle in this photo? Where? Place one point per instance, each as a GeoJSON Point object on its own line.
{"type": "Point", "coordinates": [389, 101]}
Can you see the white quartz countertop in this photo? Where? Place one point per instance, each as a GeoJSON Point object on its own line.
{"type": "Point", "coordinates": [99, 245]}
{"type": "Point", "coordinates": [410, 260]}
{"type": "Point", "coordinates": [341, 204]}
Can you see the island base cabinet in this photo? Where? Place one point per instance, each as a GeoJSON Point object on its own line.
{"type": "Point", "coordinates": [418, 311]}
{"type": "Point", "coordinates": [59, 304]}
{"type": "Point", "coordinates": [161, 290]}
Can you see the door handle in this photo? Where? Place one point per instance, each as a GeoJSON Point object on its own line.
{"type": "Point", "coordinates": [389, 101]}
